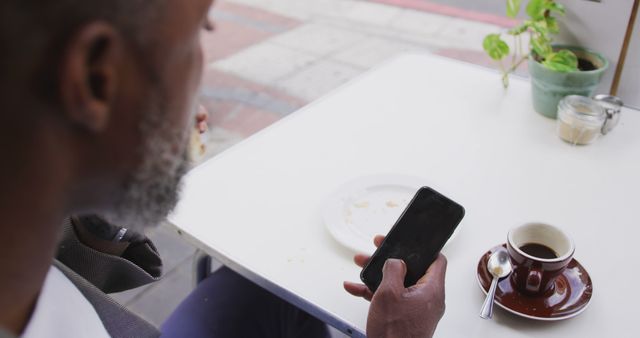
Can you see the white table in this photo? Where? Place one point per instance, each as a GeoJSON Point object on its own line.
{"type": "Point", "coordinates": [256, 207]}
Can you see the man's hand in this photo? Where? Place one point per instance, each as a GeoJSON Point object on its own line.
{"type": "Point", "coordinates": [397, 311]}
{"type": "Point", "coordinates": [197, 147]}
{"type": "Point", "coordinates": [201, 119]}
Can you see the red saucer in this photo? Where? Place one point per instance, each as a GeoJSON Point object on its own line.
{"type": "Point", "coordinates": [569, 298]}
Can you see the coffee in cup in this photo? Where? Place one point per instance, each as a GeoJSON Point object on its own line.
{"type": "Point", "coordinates": [539, 253]}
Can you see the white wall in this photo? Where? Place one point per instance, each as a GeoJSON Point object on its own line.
{"type": "Point", "coordinates": [629, 89]}
{"type": "Point", "coordinates": [599, 26]}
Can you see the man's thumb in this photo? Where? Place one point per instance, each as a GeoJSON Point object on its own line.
{"type": "Point", "coordinates": [393, 273]}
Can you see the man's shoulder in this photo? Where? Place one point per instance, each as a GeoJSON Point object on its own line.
{"type": "Point", "coordinates": [74, 315]}
{"type": "Point", "coordinates": [117, 320]}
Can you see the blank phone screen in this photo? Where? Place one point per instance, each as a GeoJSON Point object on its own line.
{"type": "Point", "coordinates": [417, 237]}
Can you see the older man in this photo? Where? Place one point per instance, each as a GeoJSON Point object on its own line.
{"type": "Point", "coordinates": [97, 99]}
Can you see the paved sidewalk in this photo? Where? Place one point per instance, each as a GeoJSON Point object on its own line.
{"type": "Point", "coordinates": [268, 58]}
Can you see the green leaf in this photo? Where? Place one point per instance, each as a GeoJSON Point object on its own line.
{"type": "Point", "coordinates": [495, 47]}
{"type": "Point", "coordinates": [513, 8]}
{"type": "Point", "coordinates": [556, 7]}
{"type": "Point", "coordinates": [540, 27]}
{"type": "Point", "coordinates": [541, 46]}
{"type": "Point", "coordinates": [552, 25]}
{"type": "Point", "coordinates": [561, 61]}
{"type": "Point", "coordinates": [518, 29]}
{"type": "Point", "coordinates": [536, 8]}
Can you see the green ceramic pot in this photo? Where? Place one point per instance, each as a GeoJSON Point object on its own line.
{"type": "Point", "coordinates": [549, 86]}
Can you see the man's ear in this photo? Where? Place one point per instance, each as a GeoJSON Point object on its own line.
{"type": "Point", "coordinates": [89, 75]}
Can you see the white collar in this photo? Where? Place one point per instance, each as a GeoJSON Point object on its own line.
{"type": "Point", "coordinates": [62, 311]}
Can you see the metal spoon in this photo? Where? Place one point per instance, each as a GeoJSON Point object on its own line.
{"type": "Point", "coordinates": [499, 266]}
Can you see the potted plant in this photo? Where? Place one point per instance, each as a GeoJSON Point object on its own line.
{"type": "Point", "coordinates": [556, 71]}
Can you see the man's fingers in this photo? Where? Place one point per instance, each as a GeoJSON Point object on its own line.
{"type": "Point", "coordinates": [378, 240]}
{"type": "Point", "coordinates": [436, 271]}
{"type": "Point", "coordinates": [202, 114]}
{"type": "Point", "coordinates": [361, 260]}
{"type": "Point", "coordinates": [202, 126]}
{"type": "Point", "coordinates": [201, 119]}
{"type": "Point", "coordinates": [393, 273]}
{"type": "Point", "coordinates": [358, 290]}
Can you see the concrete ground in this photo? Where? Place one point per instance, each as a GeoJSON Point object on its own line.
{"type": "Point", "coordinates": [268, 58]}
{"type": "Point", "coordinates": [496, 7]}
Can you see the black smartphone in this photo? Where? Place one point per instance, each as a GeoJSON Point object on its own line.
{"type": "Point", "coordinates": [417, 237]}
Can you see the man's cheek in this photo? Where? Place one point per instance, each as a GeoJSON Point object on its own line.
{"type": "Point", "coordinates": [189, 105]}
{"type": "Point", "coordinates": [199, 62]}
{"type": "Point", "coordinates": [194, 87]}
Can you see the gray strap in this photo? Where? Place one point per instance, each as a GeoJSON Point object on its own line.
{"type": "Point", "coordinates": [139, 265]}
{"type": "Point", "coordinates": [5, 334]}
{"type": "Point", "coordinates": [119, 322]}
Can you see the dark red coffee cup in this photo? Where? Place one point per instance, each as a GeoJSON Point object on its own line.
{"type": "Point", "coordinates": [539, 253]}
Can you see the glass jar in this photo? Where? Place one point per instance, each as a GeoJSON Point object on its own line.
{"type": "Point", "coordinates": [581, 120]}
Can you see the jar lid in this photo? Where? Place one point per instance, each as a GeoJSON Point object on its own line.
{"type": "Point", "coordinates": [581, 108]}
{"type": "Point", "coordinates": [612, 106]}
{"type": "Point", "coordinates": [610, 101]}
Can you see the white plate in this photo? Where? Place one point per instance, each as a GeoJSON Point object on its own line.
{"type": "Point", "coordinates": [366, 207]}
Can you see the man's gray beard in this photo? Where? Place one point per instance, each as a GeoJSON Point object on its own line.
{"type": "Point", "coordinates": [152, 192]}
